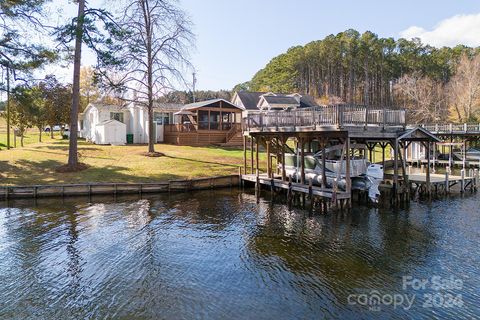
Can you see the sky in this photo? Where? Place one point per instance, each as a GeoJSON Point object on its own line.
{"type": "Point", "coordinates": [235, 39]}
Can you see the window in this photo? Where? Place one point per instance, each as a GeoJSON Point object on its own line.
{"type": "Point", "coordinates": [161, 118]}
{"type": "Point", "coordinates": [203, 120]}
{"type": "Point", "coordinates": [117, 116]}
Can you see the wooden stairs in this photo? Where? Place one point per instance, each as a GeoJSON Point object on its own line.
{"type": "Point", "coordinates": [235, 141]}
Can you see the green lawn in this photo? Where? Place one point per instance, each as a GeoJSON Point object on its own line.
{"type": "Point", "coordinates": [31, 136]}
{"type": "Point", "coordinates": [36, 163]}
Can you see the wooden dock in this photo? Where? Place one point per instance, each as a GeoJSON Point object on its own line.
{"type": "Point", "coordinates": [89, 189]}
{"type": "Point", "coordinates": [313, 130]}
{"type": "Point", "coordinates": [277, 182]}
{"type": "Point", "coordinates": [444, 182]}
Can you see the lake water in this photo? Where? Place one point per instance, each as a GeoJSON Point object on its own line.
{"type": "Point", "coordinates": [220, 255]}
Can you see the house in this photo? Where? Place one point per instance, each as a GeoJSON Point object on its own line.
{"type": "Point", "coordinates": [266, 101]}
{"type": "Point", "coordinates": [163, 114]}
{"type": "Point", "coordinates": [203, 123]}
{"type": "Point", "coordinates": [95, 123]}
{"type": "Point", "coordinates": [215, 121]}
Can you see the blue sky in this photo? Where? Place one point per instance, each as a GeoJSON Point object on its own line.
{"type": "Point", "coordinates": [237, 38]}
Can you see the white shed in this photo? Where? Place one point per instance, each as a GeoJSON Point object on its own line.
{"type": "Point", "coordinates": [111, 132]}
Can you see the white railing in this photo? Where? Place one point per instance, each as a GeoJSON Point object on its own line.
{"type": "Point", "coordinates": [453, 128]}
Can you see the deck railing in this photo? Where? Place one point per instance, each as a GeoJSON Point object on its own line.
{"type": "Point", "coordinates": [186, 127]}
{"type": "Point", "coordinates": [332, 115]}
{"type": "Point", "coordinates": [451, 128]}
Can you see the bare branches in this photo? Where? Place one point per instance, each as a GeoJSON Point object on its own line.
{"type": "Point", "coordinates": [464, 90]}
{"type": "Point", "coordinates": [154, 54]}
{"type": "Point", "coordinates": [423, 97]}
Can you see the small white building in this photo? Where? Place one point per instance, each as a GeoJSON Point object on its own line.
{"type": "Point", "coordinates": [111, 132]}
{"type": "Point", "coordinates": [97, 114]}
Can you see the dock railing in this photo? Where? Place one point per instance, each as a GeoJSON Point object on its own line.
{"type": "Point", "coordinates": [451, 128]}
{"type": "Point", "coordinates": [338, 116]}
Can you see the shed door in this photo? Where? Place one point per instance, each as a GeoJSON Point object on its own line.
{"type": "Point", "coordinates": [159, 129]}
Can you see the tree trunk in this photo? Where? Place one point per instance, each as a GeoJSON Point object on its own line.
{"type": "Point", "coordinates": [149, 36]}
{"type": "Point", "coordinates": [72, 147]}
{"type": "Point", "coordinates": [39, 134]}
{"type": "Point", "coordinates": [51, 131]}
{"type": "Point", "coordinates": [21, 140]}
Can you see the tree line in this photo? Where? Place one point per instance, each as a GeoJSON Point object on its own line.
{"type": "Point", "coordinates": [366, 69]}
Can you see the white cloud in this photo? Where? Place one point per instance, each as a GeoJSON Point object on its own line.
{"type": "Point", "coordinates": [459, 29]}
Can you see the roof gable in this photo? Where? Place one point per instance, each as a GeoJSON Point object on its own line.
{"type": "Point", "coordinates": [250, 100]}
{"type": "Point", "coordinates": [201, 104]}
{"type": "Point", "coordinates": [419, 134]}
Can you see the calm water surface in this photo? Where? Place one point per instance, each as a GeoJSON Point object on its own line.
{"type": "Point", "coordinates": [220, 255]}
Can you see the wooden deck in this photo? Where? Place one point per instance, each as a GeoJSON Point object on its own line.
{"type": "Point", "coordinates": [328, 118]}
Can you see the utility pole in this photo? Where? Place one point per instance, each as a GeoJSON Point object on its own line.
{"type": "Point", "coordinates": [194, 83]}
{"type": "Point", "coordinates": [8, 107]}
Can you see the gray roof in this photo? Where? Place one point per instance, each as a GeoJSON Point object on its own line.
{"type": "Point", "coordinates": [205, 103]}
{"type": "Point", "coordinates": [283, 100]}
{"type": "Point", "coordinates": [250, 99]}
{"type": "Point", "coordinates": [168, 107]}
{"type": "Point", "coordinates": [419, 134]}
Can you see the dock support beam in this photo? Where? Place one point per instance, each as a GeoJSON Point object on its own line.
{"type": "Point", "coordinates": [284, 172]}
{"type": "Point", "coordinates": [245, 154]}
{"type": "Point", "coordinates": [257, 145]}
{"type": "Point", "coordinates": [428, 169]}
{"type": "Point", "coordinates": [348, 181]}
{"type": "Point", "coordinates": [251, 155]}
{"type": "Point", "coordinates": [395, 168]}
{"type": "Point", "coordinates": [302, 160]}
{"type": "Point", "coordinates": [269, 160]}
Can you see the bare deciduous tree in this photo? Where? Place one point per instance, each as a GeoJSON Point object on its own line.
{"type": "Point", "coordinates": [423, 98]}
{"type": "Point", "coordinates": [464, 90]}
{"type": "Point", "coordinates": [155, 53]}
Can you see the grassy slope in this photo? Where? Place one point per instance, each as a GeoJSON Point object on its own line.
{"type": "Point", "coordinates": [36, 163]}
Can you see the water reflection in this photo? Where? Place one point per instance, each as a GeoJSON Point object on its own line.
{"type": "Point", "coordinates": [219, 254]}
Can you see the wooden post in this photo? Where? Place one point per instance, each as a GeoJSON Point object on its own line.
{"type": "Point", "coordinates": [348, 181]}
{"type": "Point", "coordinates": [251, 155]}
{"type": "Point", "coordinates": [395, 168]}
{"type": "Point", "coordinates": [310, 192]}
{"type": "Point", "coordinates": [269, 160]}
{"type": "Point", "coordinates": [278, 155]}
{"type": "Point", "coordinates": [428, 169]}
{"type": "Point", "coordinates": [289, 192]}
{"type": "Point", "coordinates": [284, 173]}
{"type": "Point", "coordinates": [324, 163]}
{"type": "Point", "coordinates": [447, 182]}
{"type": "Point", "coordinates": [405, 187]}
{"type": "Point", "coordinates": [472, 179]}
{"type": "Point", "coordinates": [383, 145]}
{"type": "Point", "coordinates": [245, 154]}
{"type": "Point", "coordinates": [257, 145]}
{"type": "Point", "coordinates": [462, 181]}
{"type": "Point", "coordinates": [475, 179]}
{"type": "Point", "coordinates": [302, 159]}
